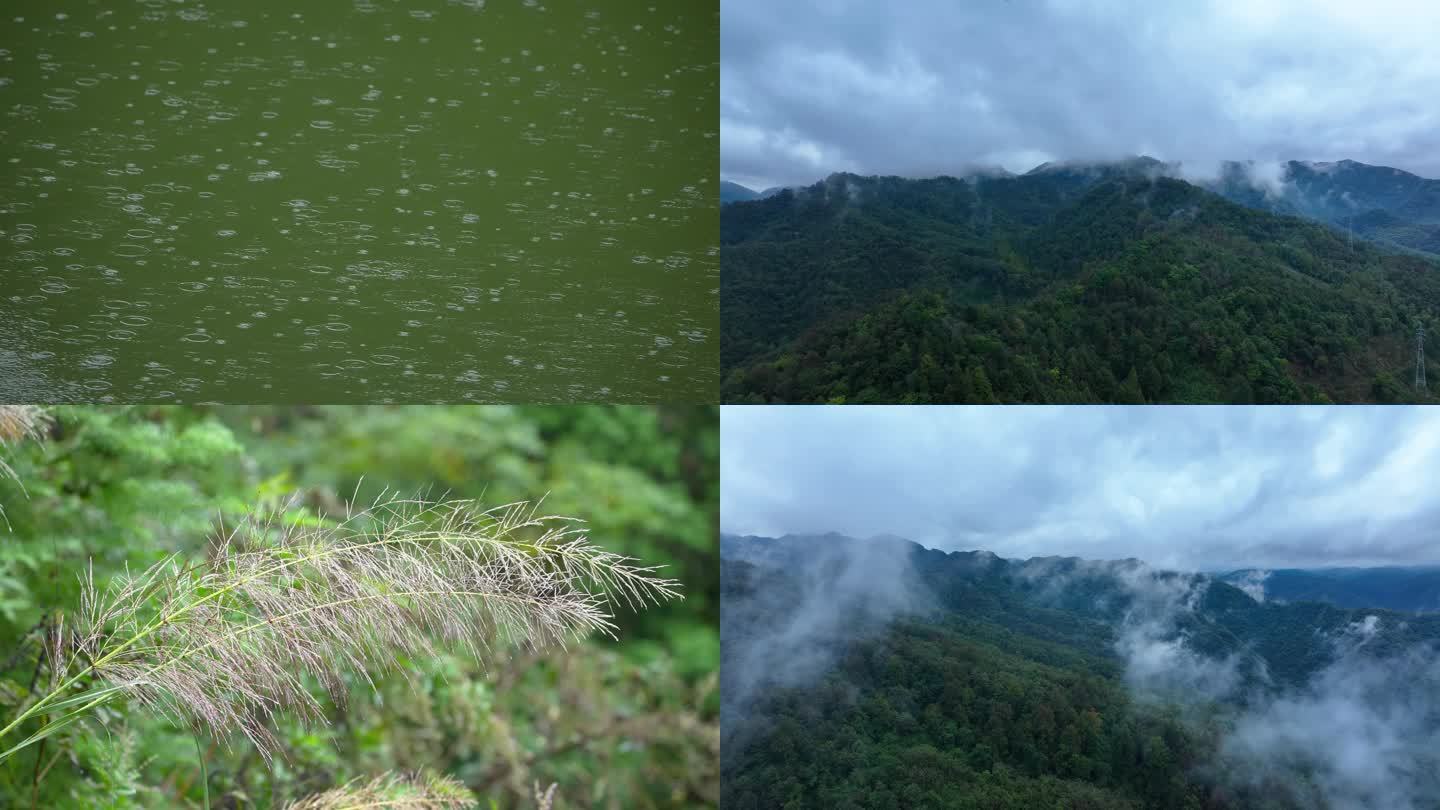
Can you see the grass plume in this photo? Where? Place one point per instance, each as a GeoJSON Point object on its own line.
{"type": "Point", "coordinates": [19, 423]}
{"type": "Point", "coordinates": [423, 791]}
{"type": "Point", "coordinates": [283, 602]}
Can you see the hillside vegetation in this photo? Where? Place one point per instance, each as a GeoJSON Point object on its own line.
{"type": "Point", "coordinates": [1058, 682]}
{"type": "Point", "coordinates": [1108, 284]}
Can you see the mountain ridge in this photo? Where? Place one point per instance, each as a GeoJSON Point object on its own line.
{"type": "Point", "coordinates": [1396, 588]}
{"type": "Point", "coordinates": [1093, 284]}
{"type": "Point", "coordinates": [1404, 213]}
{"type": "Point", "coordinates": [1412, 589]}
{"type": "Point", "coordinates": [735, 192]}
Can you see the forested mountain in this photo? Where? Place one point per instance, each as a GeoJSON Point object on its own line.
{"type": "Point", "coordinates": [860, 674]}
{"type": "Point", "coordinates": [734, 192]}
{"type": "Point", "coordinates": [1071, 283]}
{"type": "Point", "coordinates": [1414, 589]}
{"type": "Point", "coordinates": [1374, 202]}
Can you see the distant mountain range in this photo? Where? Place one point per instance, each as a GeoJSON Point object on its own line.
{"type": "Point", "coordinates": [1376, 202]}
{"type": "Point", "coordinates": [1370, 202]}
{"type": "Point", "coordinates": [1415, 589]}
{"type": "Point", "coordinates": [1083, 282]}
{"type": "Point", "coordinates": [734, 192]}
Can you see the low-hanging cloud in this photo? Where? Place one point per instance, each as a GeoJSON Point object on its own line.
{"type": "Point", "coordinates": [1159, 660]}
{"type": "Point", "coordinates": [1252, 582]}
{"type": "Point", "coordinates": [930, 87]}
{"type": "Point", "coordinates": [1146, 607]}
{"type": "Point", "coordinates": [1360, 733]}
{"type": "Point", "coordinates": [1179, 487]}
{"type": "Point", "coordinates": [790, 635]}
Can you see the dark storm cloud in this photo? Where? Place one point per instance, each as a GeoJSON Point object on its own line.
{"type": "Point", "coordinates": [933, 86]}
{"type": "Point", "coordinates": [1180, 487]}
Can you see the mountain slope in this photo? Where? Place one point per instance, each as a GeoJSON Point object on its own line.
{"type": "Point", "coordinates": [734, 192]}
{"type": "Point", "coordinates": [1414, 589]}
{"type": "Point", "coordinates": [1078, 283]}
{"type": "Point", "coordinates": [1055, 682]}
{"type": "Point", "coordinates": [1375, 202]}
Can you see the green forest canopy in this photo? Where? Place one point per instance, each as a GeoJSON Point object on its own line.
{"type": "Point", "coordinates": [1058, 287]}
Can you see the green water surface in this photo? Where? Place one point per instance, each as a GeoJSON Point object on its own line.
{"type": "Point", "coordinates": [492, 200]}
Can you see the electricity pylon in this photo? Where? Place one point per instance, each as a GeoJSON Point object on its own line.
{"type": "Point", "coordinates": [1420, 358]}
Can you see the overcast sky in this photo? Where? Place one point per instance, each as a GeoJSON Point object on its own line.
{"type": "Point", "coordinates": [1183, 487]}
{"type": "Point", "coordinates": [926, 87]}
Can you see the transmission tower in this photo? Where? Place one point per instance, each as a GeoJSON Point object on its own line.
{"type": "Point", "coordinates": [1420, 358]}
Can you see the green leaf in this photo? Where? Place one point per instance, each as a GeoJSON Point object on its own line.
{"type": "Point", "coordinates": [83, 697]}
{"type": "Point", "coordinates": [46, 730]}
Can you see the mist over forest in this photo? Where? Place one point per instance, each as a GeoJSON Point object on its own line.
{"type": "Point", "coordinates": [1096, 683]}
{"type": "Point", "coordinates": [1000, 607]}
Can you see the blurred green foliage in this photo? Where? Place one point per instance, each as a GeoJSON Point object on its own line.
{"type": "Point", "coordinates": [629, 722]}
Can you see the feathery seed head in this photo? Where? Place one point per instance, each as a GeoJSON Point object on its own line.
{"type": "Point", "coordinates": [229, 642]}
{"type": "Point", "coordinates": [19, 422]}
{"type": "Point", "coordinates": [423, 791]}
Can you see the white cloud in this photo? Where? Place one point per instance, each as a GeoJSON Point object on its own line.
{"type": "Point", "coordinates": [928, 87]}
{"type": "Point", "coordinates": [1195, 488]}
